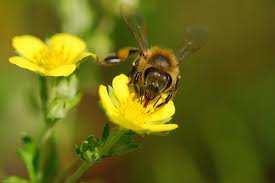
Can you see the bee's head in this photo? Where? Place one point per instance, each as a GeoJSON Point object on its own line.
{"type": "Point", "coordinates": [155, 82]}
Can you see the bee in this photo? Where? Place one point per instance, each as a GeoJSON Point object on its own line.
{"type": "Point", "coordinates": [155, 71]}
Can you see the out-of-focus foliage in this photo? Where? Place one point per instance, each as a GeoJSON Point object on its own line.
{"type": "Point", "coordinates": [225, 103]}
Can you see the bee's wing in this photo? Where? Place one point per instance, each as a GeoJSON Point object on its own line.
{"type": "Point", "coordinates": [135, 25]}
{"type": "Point", "coordinates": [194, 39]}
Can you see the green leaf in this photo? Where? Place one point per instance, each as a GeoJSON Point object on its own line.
{"type": "Point", "coordinates": [14, 179]}
{"type": "Point", "coordinates": [126, 144]}
{"type": "Point", "coordinates": [92, 142]}
{"type": "Point", "coordinates": [124, 149]}
{"type": "Point", "coordinates": [59, 107]}
{"type": "Point", "coordinates": [127, 137]}
{"type": "Point", "coordinates": [63, 97]}
{"type": "Point", "coordinates": [88, 150]}
{"type": "Point", "coordinates": [28, 154]}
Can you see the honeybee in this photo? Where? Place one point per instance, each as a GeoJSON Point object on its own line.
{"type": "Point", "coordinates": [155, 71]}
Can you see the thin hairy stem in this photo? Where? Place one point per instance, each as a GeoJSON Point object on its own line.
{"type": "Point", "coordinates": [47, 132]}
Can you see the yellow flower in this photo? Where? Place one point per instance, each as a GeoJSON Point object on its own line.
{"type": "Point", "coordinates": [124, 109]}
{"type": "Point", "coordinates": [58, 57]}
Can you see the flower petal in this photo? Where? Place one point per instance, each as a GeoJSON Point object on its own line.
{"type": "Point", "coordinates": [26, 64]}
{"type": "Point", "coordinates": [163, 113]}
{"type": "Point", "coordinates": [106, 101]}
{"type": "Point", "coordinates": [120, 87]}
{"type": "Point", "coordinates": [160, 128]}
{"type": "Point", "coordinates": [68, 45]}
{"type": "Point", "coordinates": [84, 55]}
{"type": "Point", "coordinates": [28, 46]}
{"type": "Point", "coordinates": [64, 70]}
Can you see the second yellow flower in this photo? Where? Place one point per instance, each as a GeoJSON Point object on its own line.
{"type": "Point", "coordinates": [58, 57]}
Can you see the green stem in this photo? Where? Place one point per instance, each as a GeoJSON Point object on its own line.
{"type": "Point", "coordinates": [31, 172]}
{"type": "Point", "coordinates": [103, 151]}
{"type": "Point", "coordinates": [80, 171]}
{"type": "Point", "coordinates": [48, 129]}
{"type": "Point", "coordinates": [67, 170]}
{"type": "Point", "coordinates": [46, 134]}
{"type": "Point", "coordinates": [42, 149]}
{"type": "Point", "coordinates": [43, 96]}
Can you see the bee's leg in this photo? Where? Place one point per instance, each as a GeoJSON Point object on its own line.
{"type": "Point", "coordinates": [138, 89]}
{"type": "Point", "coordinates": [171, 93]}
{"type": "Point", "coordinates": [167, 99]}
{"type": "Point", "coordinates": [135, 76]}
{"type": "Point", "coordinates": [157, 101]}
{"type": "Point", "coordinates": [119, 57]}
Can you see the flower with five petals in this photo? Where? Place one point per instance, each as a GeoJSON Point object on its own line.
{"type": "Point", "coordinates": [125, 110]}
{"type": "Point", "coordinates": [60, 56]}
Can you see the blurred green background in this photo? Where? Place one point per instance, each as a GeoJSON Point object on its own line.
{"type": "Point", "coordinates": [225, 105]}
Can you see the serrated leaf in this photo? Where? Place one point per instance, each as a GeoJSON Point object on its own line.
{"type": "Point", "coordinates": [87, 150]}
{"type": "Point", "coordinates": [84, 146]}
{"type": "Point", "coordinates": [127, 137]}
{"type": "Point", "coordinates": [92, 142]}
{"type": "Point", "coordinates": [125, 144]}
{"type": "Point", "coordinates": [124, 149]}
{"type": "Point", "coordinates": [15, 179]}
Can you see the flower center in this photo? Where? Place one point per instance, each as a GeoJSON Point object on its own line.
{"type": "Point", "coordinates": [50, 59]}
{"type": "Point", "coordinates": [133, 109]}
